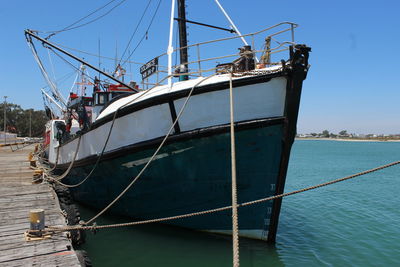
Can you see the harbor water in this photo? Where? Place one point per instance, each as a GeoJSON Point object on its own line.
{"type": "Point", "coordinates": [352, 223]}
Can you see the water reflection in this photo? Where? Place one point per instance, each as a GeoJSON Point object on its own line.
{"type": "Point", "coordinates": [163, 245]}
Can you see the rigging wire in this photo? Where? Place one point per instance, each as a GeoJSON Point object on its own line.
{"type": "Point", "coordinates": [134, 32]}
{"type": "Point", "coordinates": [52, 67]}
{"type": "Point", "coordinates": [61, 80]}
{"type": "Point", "coordinates": [145, 34]}
{"type": "Point", "coordinates": [69, 63]}
{"type": "Point", "coordinates": [94, 55]}
{"type": "Point", "coordinates": [70, 27]}
{"type": "Point", "coordinates": [73, 84]}
{"type": "Point", "coordinates": [51, 84]}
{"type": "Point", "coordinates": [46, 103]}
{"type": "Point", "coordinates": [75, 68]}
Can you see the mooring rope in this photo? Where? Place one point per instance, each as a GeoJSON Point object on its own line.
{"type": "Point", "coordinates": [97, 161]}
{"type": "Point", "coordinates": [235, 224]}
{"type": "Point", "coordinates": [158, 220]}
{"type": "Point", "coordinates": [46, 170]}
{"type": "Point", "coordinates": [62, 176]}
{"type": "Point", "coordinates": [54, 179]}
{"type": "Point", "coordinates": [154, 154]}
{"type": "Point", "coordinates": [18, 148]}
{"type": "Point", "coordinates": [41, 159]}
{"type": "Point", "coordinates": [55, 165]}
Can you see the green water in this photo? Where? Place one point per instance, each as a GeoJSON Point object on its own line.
{"type": "Point", "coordinates": [353, 223]}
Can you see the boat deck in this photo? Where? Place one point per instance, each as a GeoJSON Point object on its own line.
{"type": "Point", "coordinates": [17, 196]}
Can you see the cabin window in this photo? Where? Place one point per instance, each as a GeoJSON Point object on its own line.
{"type": "Point", "coordinates": [101, 99]}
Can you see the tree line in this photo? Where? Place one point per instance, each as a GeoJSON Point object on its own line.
{"type": "Point", "coordinates": [326, 133]}
{"type": "Point", "coordinates": [23, 122]}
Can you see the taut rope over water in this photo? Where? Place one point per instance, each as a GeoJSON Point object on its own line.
{"type": "Point", "coordinates": [157, 220]}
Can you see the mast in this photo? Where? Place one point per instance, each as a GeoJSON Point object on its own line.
{"type": "Point", "coordinates": [170, 48]}
{"type": "Point", "coordinates": [182, 39]}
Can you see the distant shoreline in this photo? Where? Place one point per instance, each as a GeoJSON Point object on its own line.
{"type": "Point", "coordinates": [348, 139]}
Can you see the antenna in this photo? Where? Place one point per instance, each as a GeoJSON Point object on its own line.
{"type": "Point", "coordinates": [99, 58]}
{"type": "Point", "coordinates": [116, 56]}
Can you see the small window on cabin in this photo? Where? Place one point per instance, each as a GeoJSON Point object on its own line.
{"type": "Point", "coordinates": [101, 99]}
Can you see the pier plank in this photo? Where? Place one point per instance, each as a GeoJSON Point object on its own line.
{"type": "Point", "coordinates": [17, 196]}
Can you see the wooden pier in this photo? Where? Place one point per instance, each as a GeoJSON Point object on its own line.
{"type": "Point", "coordinates": [17, 197]}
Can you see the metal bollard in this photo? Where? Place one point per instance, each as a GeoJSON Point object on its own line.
{"type": "Point", "coordinates": [36, 218]}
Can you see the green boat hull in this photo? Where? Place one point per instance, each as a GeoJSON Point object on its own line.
{"type": "Point", "coordinates": [188, 176]}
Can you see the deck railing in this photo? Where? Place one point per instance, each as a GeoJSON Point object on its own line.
{"type": "Point", "coordinates": [208, 54]}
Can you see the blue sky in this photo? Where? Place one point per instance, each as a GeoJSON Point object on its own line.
{"type": "Point", "coordinates": [352, 84]}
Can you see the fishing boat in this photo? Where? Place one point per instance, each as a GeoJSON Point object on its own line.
{"type": "Point", "coordinates": [174, 135]}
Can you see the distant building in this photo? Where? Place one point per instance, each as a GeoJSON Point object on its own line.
{"type": "Point", "coordinates": [305, 135]}
{"type": "Point", "coordinates": [8, 136]}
